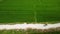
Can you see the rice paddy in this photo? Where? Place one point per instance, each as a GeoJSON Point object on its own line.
{"type": "Point", "coordinates": [29, 11]}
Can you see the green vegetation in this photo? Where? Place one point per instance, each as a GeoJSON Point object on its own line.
{"type": "Point", "coordinates": [24, 10]}
{"type": "Point", "coordinates": [29, 11]}
{"type": "Point", "coordinates": [26, 32]}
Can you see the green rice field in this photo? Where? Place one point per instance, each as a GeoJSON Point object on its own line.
{"type": "Point", "coordinates": [12, 11]}
{"type": "Point", "coordinates": [29, 10]}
